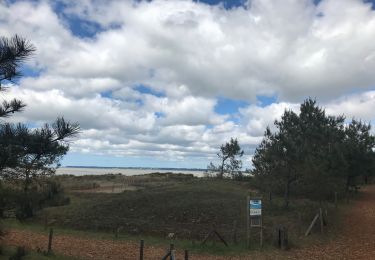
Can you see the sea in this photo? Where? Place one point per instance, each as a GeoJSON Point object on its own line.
{"type": "Point", "coordinates": [79, 171]}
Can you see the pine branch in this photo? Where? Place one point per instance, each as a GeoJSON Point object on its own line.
{"type": "Point", "coordinates": [11, 107]}
{"type": "Point", "coordinates": [64, 129]}
{"type": "Point", "coordinates": [13, 52]}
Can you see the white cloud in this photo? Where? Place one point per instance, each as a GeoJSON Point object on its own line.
{"type": "Point", "coordinates": [359, 106]}
{"type": "Point", "coordinates": [95, 112]}
{"type": "Point", "coordinates": [190, 54]}
{"type": "Point", "coordinates": [74, 87]}
{"type": "Point", "coordinates": [256, 118]}
{"type": "Point", "coordinates": [236, 53]}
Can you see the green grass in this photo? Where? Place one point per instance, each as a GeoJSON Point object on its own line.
{"type": "Point", "coordinates": [186, 207]}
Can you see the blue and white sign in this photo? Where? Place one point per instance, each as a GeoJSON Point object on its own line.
{"type": "Point", "coordinates": [255, 207]}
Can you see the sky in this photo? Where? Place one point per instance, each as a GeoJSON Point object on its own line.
{"type": "Point", "coordinates": [164, 83]}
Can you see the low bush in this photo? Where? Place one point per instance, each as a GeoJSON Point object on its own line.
{"type": "Point", "coordinates": [19, 254]}
{"type": "Point", "coordinates": [2, 230]}
{"type": "Point", "coordinates": [24, 204]}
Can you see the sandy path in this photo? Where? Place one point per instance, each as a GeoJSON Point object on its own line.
{"type": "Point", "coordinates": [355, 241]}
{"type": "Point", "coordinates": [357, 238]}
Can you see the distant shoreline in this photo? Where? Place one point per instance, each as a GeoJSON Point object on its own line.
{"type": "Point", "coordinates": [135, 168]}
{"type": "Point", "coordinates": [127, 171]}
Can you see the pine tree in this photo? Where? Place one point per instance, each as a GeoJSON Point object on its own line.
{"type": "Point", "coordinates": [27, 154]}
{"type": "Point", "coordinates": [229, 156]}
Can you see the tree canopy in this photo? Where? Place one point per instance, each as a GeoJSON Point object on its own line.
{"type": "Point", "coordinates": [26, 154]}
{"type": "Point", "coordinates": [230, 162]}
{"type": "Point", "coordinates": [313, 154]}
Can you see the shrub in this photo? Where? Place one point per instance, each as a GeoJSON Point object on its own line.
{"type": "Point", "coordinates": [49, 193]}
{"type": "Point", "coordinates": [19, 254]}
{"type": "Point", "coordinates": [53, 195]}
{"type": "Point", "coordinates": [1, 229]}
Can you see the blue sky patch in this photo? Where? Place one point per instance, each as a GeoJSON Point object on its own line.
{"type": "Point", "coordinates": [229, 106]}
{"type": "Point", "coordinates": [83, 28]}
{"type": "Point", "coordinates": [78, 26]}
{"type": "Point", "coordinates": [106, 94]}
{"type": "Point", "coordinates": [159, 114]}
{"type": "Point", "coordinates": [26, 71]}
{"type": "Point", "coordinates": [30, 71]}
{"type": "Point", "coordinates": [139, 102]}
{"type": "Point", "coordinates": [266, 101]}
{"type": "Point", "coordinates": [372, 2]}
{"type": "Point", "coordinates": [148, 90]}
{"type": "Point", "coordinates": [316, 2]}
{"type": "Point", "coordinates": [226, 3]}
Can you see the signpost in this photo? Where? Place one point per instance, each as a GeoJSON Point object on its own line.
{"type": "Point", "coordinates": [254, 217]}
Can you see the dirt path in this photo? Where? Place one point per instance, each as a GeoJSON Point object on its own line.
{"type": "Point", "coordinates": [356, 241]}
{"type": "Point", "coordinates": [357, 238]}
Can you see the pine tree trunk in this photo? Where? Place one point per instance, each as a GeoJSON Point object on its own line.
{"type": "Point", "coordinates": [348, 183]}
{"type": "Point", "coordinates": [221, 174]}
{"type": "Point", "coordinates": [27, 181]}
{"type": "Point", "coordinates": [286, 195]}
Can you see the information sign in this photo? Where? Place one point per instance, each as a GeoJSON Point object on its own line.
{"type": "Point", "coordinates": [255, 207]}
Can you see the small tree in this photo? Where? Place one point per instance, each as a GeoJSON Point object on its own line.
{"type": "Point", "coordinates": [27, 154]}
{"type": "Point", "coordinates": [359, 153]}
{"type": "Point", "coordinates": [305, 153]}
{"type": "Point", "coordinates": [42, 150]}
{"type": "Point", "coordinates": [229, 155]}
{"type": "Point", "coordinates": [276, 160]}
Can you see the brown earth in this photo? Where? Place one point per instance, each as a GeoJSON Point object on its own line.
{"type": "Point", "coordinates": [356, 240]}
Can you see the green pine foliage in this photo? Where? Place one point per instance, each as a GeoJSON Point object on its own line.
{"type": "Point", "coordinates": [230, 160]}
{"type": "Point", "coordinates": [27, 155]}
{"type": "Point", "coordinates": [313, 155]}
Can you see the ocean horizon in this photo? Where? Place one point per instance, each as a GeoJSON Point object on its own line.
{"type": "Point", "coordinates": [127, 171]}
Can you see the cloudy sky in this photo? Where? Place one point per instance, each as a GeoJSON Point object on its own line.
{"type": "Point", "coordinates": [163, 83]}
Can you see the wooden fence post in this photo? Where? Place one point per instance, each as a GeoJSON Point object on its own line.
{"type": "Point", "coordinates": [235, 232]}
{"type": "Point", "coordinates": [141, 250]}
{"type": "Point", "coordinates": [284, 241]}
{"type": "Point", "coordinates": [300, 223]}
{"type": "Point", "coordinates": [172, 252]}
{"type": "Point", "coordinates": [335, 199]}
{"type": "Point", "coordinates": [311, 225]}
{"type": "Point", "coordinates": [261, 231]}
{"type": "Point", "coordinates": [45, 221]}
{"type": "Point", "coordinates": [276, 237]}
{"type": "Point", "coordinates": [248, 221]}
{"type": "Point", "coordinates": [49, 250]}
{"type": "Point", "coordinates": [321, 220]}
{"type": "Point", "coordinates": [116, 232]}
